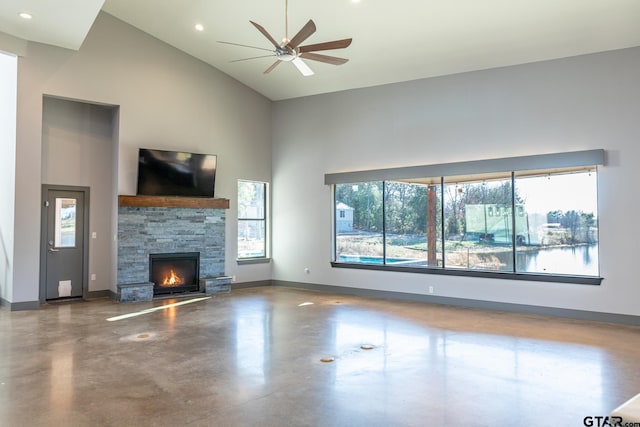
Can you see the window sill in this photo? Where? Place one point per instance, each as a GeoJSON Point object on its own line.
{"type": "Point", "coordinates": [532, 277]}
{"type": "Point", "coordinates": [247, 261]}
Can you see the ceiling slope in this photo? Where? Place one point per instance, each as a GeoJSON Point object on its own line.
{"type": "Point", "coordinates": [392, 41]}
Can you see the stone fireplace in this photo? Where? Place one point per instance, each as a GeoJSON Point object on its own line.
{"type": "Point", "coordinates": [151, 228]}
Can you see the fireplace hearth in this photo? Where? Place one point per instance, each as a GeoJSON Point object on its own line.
{"type": "Point", "coordinates": [174, 272]}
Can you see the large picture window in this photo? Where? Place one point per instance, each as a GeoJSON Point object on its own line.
{"type": "Point", "coordinates": [252, 219]}
{"type": "Point", "coordinates": [537, 224]}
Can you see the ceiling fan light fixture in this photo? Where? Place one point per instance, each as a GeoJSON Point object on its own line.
{"type": "Point", "coordinates": [302, 67]}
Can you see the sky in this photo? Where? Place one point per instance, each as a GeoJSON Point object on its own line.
{"type": "Point", "coordinates": [576, 191]}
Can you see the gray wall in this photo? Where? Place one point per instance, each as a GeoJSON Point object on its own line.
{"type": "Point", "coordinates": [169, 100]}
{"type": "Point", "coordinates": [580, 103]}
{"type": "Point", "coordinates": [166, 99]}
{"type": "Point", "coordinates": [8, 75]}
{"type": "Point", "coordinates": [77, 149]}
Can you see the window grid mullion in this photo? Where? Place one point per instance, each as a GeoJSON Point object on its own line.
{"type": "Point", "coordinates": [513, 221]}
{"type": "Point", "coordinates": [384, 223]}
{"type": "Point", "coordinates": [442, 220]}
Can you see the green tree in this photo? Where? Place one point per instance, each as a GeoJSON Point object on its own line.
{"type": "Point", "coordinates": [405, 207]}
{"type": "Point", "coordinates": [554, 217]}
{"type": "Point", "coordinates": [366, 200]}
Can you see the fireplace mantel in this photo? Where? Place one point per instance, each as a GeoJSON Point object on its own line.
{"type": "Point", "coordinates": [173, 202]}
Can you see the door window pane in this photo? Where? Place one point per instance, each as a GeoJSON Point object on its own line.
{"type": "Point", "coordinates": [558, 223]}
{"type": "Point", "coordinates": [65, 223]}
{"type": "Point", "coordinates": [359, 237]}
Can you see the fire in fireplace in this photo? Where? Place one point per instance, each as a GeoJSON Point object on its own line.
{"type": "Point", "coordinates": [174, 272]}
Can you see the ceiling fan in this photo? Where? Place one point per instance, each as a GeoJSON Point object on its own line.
{"type": "Point", "coordinates": [291, 51]}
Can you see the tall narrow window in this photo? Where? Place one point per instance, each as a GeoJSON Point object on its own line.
{"type": "Point", "coordinates": [252, 219]}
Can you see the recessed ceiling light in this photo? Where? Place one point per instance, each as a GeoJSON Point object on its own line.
{"type": "Point", "coordinates": [25, 15]}
{"type": "Point", "coordinates": [199, 27]}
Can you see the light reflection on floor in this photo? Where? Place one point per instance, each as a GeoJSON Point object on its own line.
{"type": "Point", "coordinates": [408, 358]}
{"type": "Point", "coordinates": [252, 338]}
{"type": "Point", "coordinates": [253, 357]}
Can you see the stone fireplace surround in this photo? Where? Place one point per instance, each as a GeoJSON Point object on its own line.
{"type": "Point", "coordinates": [152, 225]}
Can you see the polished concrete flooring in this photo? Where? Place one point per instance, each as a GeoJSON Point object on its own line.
{"type": "Point", "coordinates": [254, 358]}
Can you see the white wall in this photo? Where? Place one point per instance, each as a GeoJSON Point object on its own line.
{"type": "Point", "coordinates": [167, 99]}
{"type": "Point", "coordinates": [8, 84]}
{"type": "Point", "coordinates": [580, 103]}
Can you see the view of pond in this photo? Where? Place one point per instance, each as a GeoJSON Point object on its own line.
{"type": "Point", "coordinates": [560, 260]}
{"type": "Point", "coordinates": [579, 260]}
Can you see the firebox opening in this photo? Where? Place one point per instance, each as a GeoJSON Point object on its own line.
{"type": "Point", "coordinates": [174, 272]}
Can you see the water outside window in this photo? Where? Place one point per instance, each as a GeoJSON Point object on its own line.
{"type": "Point", "coordinates": [559, 225]}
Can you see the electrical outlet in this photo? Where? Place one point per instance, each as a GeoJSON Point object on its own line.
{"type": "Point", "coordinates": [233, 279]}
{"type": "Point", "coordinates": [306, 270]}
{"type": "Point", "coordinates": [431, 289]}
{"type": "Point", "coordinates": [93, 277]}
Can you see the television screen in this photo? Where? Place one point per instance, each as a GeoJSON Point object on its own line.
{"type": "Point", "coordinates": [174, 173]}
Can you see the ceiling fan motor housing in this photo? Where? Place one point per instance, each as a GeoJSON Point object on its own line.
{"type": "Point", "coordinates": [286, 53]}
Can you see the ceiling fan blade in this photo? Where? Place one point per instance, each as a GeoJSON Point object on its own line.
{"type": "Point", "coordinates": [302, 67]}
{"type": "Point", "coordinates": [336, 44]}
{"type": "Point", "coordinates": [334, 60]}
{"type": "Point", "coordinates": [244, 45]}
{"type": "Point", "coordinates": [274, 65]}
{"type": "Point", "coordinates": [308, 29]}
{"type": "Point", "coordinates": [266, 34]}
{"type": "Point", "coordinates": [253, 57]}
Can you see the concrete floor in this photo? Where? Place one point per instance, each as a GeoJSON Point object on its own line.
{"type": "Point", "coordinates": [253, 358]}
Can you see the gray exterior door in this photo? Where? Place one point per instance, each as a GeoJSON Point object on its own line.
{"type": "Point", "coordinates": [63, 243]}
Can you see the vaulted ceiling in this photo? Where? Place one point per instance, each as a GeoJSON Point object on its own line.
{"type": "Point", "coordinates": [393, 41]}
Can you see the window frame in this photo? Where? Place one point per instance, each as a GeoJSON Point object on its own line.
{"type": "Point", "coordinates": [264, 219]}
{"type": "Point", "coordinates": [549, 163]}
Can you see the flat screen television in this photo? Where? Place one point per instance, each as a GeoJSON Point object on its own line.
{"type": "Point", "coordinates": [175, 173]}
